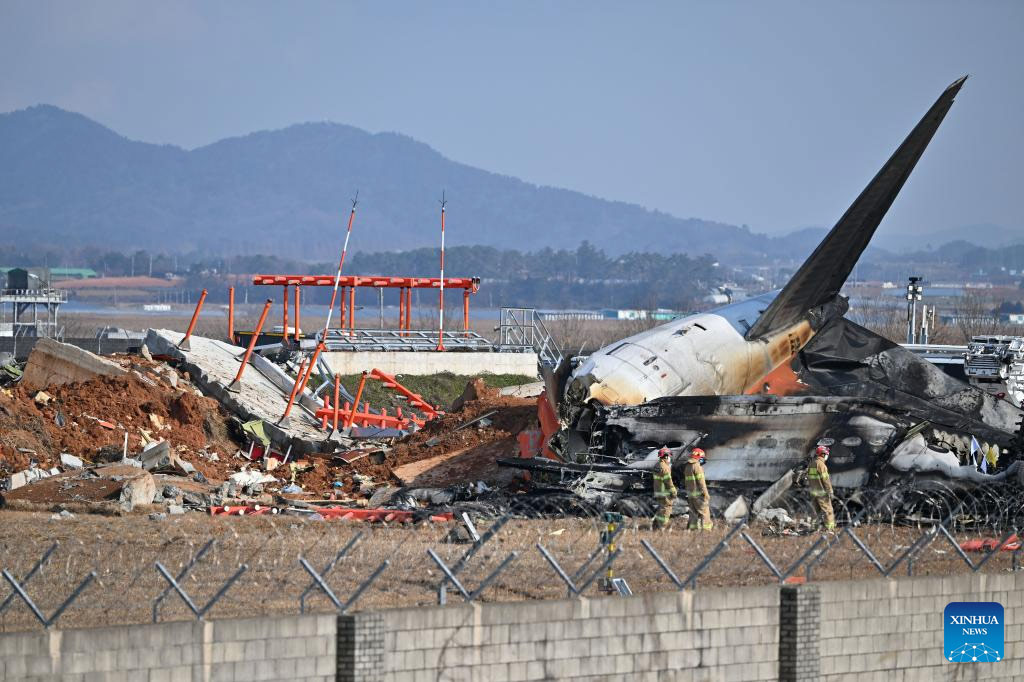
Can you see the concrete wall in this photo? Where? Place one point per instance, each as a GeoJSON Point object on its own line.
{"type": "Point", "coordinates": [23, 345]}
{"type": "Point", "coordinates": [857, 631]}
{"type": "Point", "coordinates": [706, 635]}
{"type": "Point", "coordinates": [425, 362]}
{"type": "Point", "coordinates": [892, 630]}
{"type": "Point", "coordinates": [299, 648]}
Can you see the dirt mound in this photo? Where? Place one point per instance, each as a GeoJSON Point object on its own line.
{"type": "Point", "coordinates": [98, 413]}
{"type": "Point", "coordinates": [439, 436]}
{"type": "Point", "coordinates": [475, 390]}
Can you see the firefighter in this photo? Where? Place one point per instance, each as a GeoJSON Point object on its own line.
{"type": "Point", "coordinates": [697, 492]}
{"type": "Point", "coordinates": [821, 487]}
{"type": "Point", "coordinates": [664, 490]}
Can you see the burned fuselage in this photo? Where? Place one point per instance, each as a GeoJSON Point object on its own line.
{"type": "Point", "coordinates": [756, 439]}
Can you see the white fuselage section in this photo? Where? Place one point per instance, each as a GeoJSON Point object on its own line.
{"type": "Point", "coordinates": [703, 354]}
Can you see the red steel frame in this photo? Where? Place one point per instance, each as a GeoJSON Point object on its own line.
{"type": "Point", "coordinates": [349, 283]}
{"type": "Point", "coordinates": [333, 411]}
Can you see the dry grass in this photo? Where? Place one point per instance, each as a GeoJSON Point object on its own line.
{"type": "Point", "coordinates": [122, 550]}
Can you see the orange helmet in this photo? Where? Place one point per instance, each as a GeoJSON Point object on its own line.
{"type": "Point", "coordinates": [664, 452]}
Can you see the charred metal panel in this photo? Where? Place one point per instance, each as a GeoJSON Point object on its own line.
{"type": "Point", "coordinates": [845, 359]}
{"type": "Point", "coordinates": [756, 439]}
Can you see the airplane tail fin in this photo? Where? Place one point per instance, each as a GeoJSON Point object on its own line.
{"type": "Point", "coordinates": [823, 274]}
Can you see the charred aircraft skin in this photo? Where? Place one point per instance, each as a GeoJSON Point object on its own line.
{"type": "Point", "coordinates": [757, 439]}
{"type": "Point", "coordinates": [729, 351]}
{"type": "Point", "coordinates": [703, 374]}
{"type": "Point", "coordinates": [703, 354]}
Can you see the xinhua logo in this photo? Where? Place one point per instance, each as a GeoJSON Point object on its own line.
{"type": "Point", "coordinates": [973, 632]}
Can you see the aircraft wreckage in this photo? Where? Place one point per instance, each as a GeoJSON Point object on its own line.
{"type": "Point", "coordinates": [760, 382]}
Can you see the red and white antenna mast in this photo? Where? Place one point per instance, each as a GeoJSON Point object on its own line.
{"type": "Point", "coordinates": [440, 302]}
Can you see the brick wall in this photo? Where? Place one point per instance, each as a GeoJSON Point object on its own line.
{"type": "Point", "coordinates": [892, 629]}
{"type": "Point", "coordinates": [299, 648]}
{"type": "Point", "coordinates": [799, 613]}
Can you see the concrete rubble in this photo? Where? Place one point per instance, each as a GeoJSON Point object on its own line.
{"type": "Point", "coordinates": [160, 433]}
{"type": "Point", "coordinates": [53, 363]}
{"type": "Point", "coordinates": [264, 388]}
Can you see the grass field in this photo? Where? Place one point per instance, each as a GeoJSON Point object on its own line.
{"type": "Point", "coordinates": [123, 552]}
{"type": "Point", "coordinates": [437, 389]}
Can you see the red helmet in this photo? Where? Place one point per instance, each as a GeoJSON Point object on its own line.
{"type": "Point", "coordinates": [664, 452]}
{"type": "Point", "coordinates": [821, 450]}
{"type": "Point", "coordinates": [697, 453]}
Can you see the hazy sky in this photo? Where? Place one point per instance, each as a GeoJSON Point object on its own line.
{"type": "Point", "coordinates": [765, 113]}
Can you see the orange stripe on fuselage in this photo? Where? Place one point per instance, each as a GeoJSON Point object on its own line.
{"type": "Point", "coordinates": [782, 348]}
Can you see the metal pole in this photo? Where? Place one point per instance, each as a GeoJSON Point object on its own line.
{"type": "Point", "coordinates": [341, 308]}
{"type": "Point", "coordinates": [284, 327]}
{"type": "Point", "coordinates": [234, 386]}
{"type": "Point", "coordinates": [298, 306]}
{"type": "Point", "coordinates": [295, 391]}
{"type": "Point", "coordinates": [380, 297]}
{"type": "Point", "coordinates": [337, 398]}
{"type": "Point", "coordinates": [910, 314]}
{"type": "Point", "coordinates": [351, 309]}
{"type": "Point", "coordinates": [185, 345]}
{"type": "Point", "coordinates": [401, 310]}
{"type": "Point", "coordinates": [924, 324]}
{"type": "Point", "coordinates": [364, 586]}
{"type": "Point", "coordinates": [355, 404]}
{"type": "Point", "coordinates": [440, 301]}
{"type": "Point", "coordinates": [312, 363]}
{"type": "Point", "coordinates": [573, 590]}
{"type": "Point", "coordinates": [408, 308]}
{"type": "Point", "coordinates": [231, 315]}
{"type": "Point", "coordinates": [341, 264]}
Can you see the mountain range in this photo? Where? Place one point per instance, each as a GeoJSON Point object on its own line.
{"type": "Point", "coordinates": [65, 179]}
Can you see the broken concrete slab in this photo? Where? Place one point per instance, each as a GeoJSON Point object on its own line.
{"type": "Point", "coordinates": [737, 511]}
{"type": "Point", "coordinates": [531, 390]}
{"type": "Point", "coordinates": [264, 390]}
{"type": "Point", "coordinates": [70, 461]}
{"type": "Point", "coordinates": [53, 363]}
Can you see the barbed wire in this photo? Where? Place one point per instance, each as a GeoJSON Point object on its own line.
{"type": "Point", "coordinates": [542, 548]}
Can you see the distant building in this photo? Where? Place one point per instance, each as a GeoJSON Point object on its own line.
{"type": "Point", "coordinates": [57, 274]}
{"type": "Point", "coordinates": [617, 314]}
{"type": "Point", "coordinates": [20, 279]}
{"type": "Point", "coordinates": [570, 314]}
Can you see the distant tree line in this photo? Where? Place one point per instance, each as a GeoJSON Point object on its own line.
{"type": "Point", "coordinates": [582, 278]}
